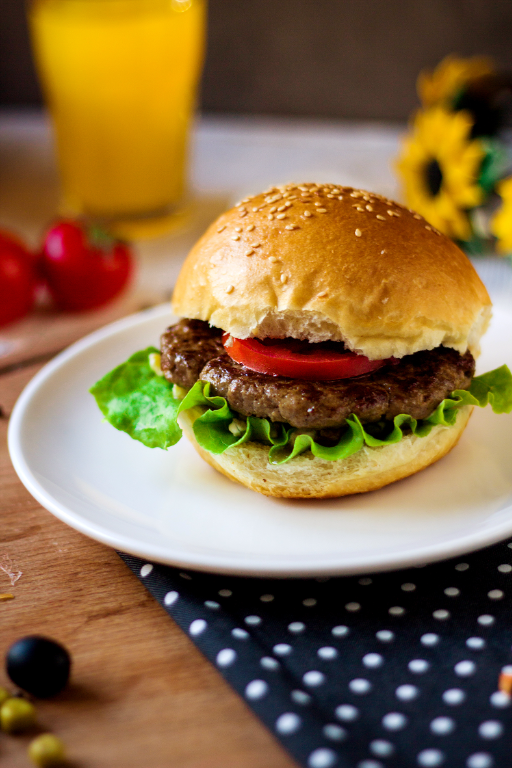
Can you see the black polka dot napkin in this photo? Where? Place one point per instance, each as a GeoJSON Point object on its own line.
{"type": "Point", "coordinates": [390, 670]}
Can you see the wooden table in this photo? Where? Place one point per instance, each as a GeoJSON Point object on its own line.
{"type": "Point", "coordinates": [141, 696]}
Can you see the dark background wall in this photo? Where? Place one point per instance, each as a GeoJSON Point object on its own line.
{"type": "Point", "coordinates": [333, 58]}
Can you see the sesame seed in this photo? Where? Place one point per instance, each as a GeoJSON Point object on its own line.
{"type": "Point", "coordinates": [307, 214]}
{"type": "Point", "coordinates": [358, 208]}
{"type": "Point", "coordinates": [417, 216]}
{"type": "Point", "coordinates": [255, 245]}
{"type": "Point", "coordinates": [238, 229]}
{"type": "Point", "coordinates": [287, 205]}
{"type": "Point", "coordinates": [318, 204]}
{"type": "Point", "coordinates": [314, 189]}
{"type": "Point", "coordinates": [255, 210]}
{"type": "Point", "coordinates": [230, 289]}
{"type": "Point", "coordinates": [242, 208]}
{"type": "Point", "coordinates": [358, 233]}
{"type": "Point", "coordinates": [322, 295]}
{"type": "Point", "coordinates": [321, 210]}
{"type": "Point", "coordinates": [270, 216]}
{"type": "Point", "coordinates": [331, 197]}
{"type": "Point", "coordinates": [369, 207]}
{"type": "Point", "coordinates": [383, 251]}
{"type": "Point", "coordinates": [236, 237]}
{"type": "Point", "coordinates": [291, 226]}
{"type": "Point", "coordinates": [282, 207]}
{"type": "Point", "coordinates": [335, 191]}
{"type": "Point", "coordinates": [273, 259]}
{"type": "Point", "coordinates": [249, 253]}
{"type": "Point", "coordinates": [242, 214]}
{"type": "Point", "coordinates": [380, 218]}
{"type": "Point", "coordinates": [392, 213]}
{"type": "Point", "coordinates": [284, 279]}
{"type": "Point", "coordinates": [427, 226]}
{"type": "Point", "coordinates": [340, 197]}
{"type": "Point", "coordinates": [250, 227]}
{"type": "Point", "coordinates": [221, 229]}
{"type": "Point", "coordinates": [281, 216]}
{"type": "Point", "coordinates": [273, 209]}
{"type": "Point", "coordinates": [292, 197]}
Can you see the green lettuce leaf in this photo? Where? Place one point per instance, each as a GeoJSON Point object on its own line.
{"type": "Point", "coordinates": [136, 400]}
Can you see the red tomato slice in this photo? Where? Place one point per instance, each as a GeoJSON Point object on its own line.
{"type": "Point", "coordinates": [299, 359]}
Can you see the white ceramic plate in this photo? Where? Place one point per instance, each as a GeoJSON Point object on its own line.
{"type": "Point", "coordinates": [171, 507]}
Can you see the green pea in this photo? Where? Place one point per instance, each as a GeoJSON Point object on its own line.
{"type": "Point", "coordinates": [46, 750]}
{"type": "Point", "coordinates": [4, 695]}
{"type": "Point", "coordinates": [17, 715]}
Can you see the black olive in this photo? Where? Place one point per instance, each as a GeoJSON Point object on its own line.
{"type": "Point", "coordinates": [38, 665]}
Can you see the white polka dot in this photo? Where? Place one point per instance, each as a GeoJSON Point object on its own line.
{"type": "Point", "coordinates": [462, 567]}
{"type": "Point", "coordinates": [370, 764]}
{"type": "Point", "coordinates": [429, 639]}
{"type": "Point", "coordinates": [442, 726]}
{"type": "Point", "coordinates": [146, 570]}
{"type": "Point", "coordinates": [266, 598]}
{"type": "Point", "coordinates": [296, 627]}
{"type": "Point", "coordinates": [288, 723]}
{"type": "Point", "coordinates": [381, 748]}
{"type": "Point", "coordinates": [452, 591]}
{"type": "Point", "coordinates": [313, 678]}
{"type": "Point", "coordinates": [385, 636]}
{"type": "Point", "coordinates": [429, 758]}
{"type": "Point", "coordinates": [465, 668]}
{"type": "Point", "coordinates": [360, 685]}
{"type": "Point", "coordinates": [407, 692]}
{"type": "Point", "coordinates": [366, 581]}
{"type": "Point", "coordinates": [454, 696]}
{"type": "Point", "coordinates": [475, 643]}
{"type": "Point", "coordinates": [225, 592]}
{"type": "Point", "coordinates": [334, 732]}
{"type": "Point", "coordinates": [480, 760]}
{"type": "Point", "coordinates": [347, 713]}
{"type": "Point", "coordinates": [170, 598]}
{"type": "Point", "coordinates": [253, 621]}
{"type": "Point", "coordinates": [373, 660]}
{"type": "Point", "coordinates": [300, 697]}
{"type": "Point", "coordinates": [408, 587]}
{"type": "Point", "coordinates": [394, 721]}
{"type": "Point", "coordinates": [418, 666]}
{"type": "Point", "coordinates": [500, 699]}
{"type": "Point", "coordinates": [327, 652]}
{"type": "Point", "coordinates": [441, 614]}
{"type": "Point", "coordinates": [197, 626]}
{"type": "Point", "coordinates": [507, 669]}
{"type": "Point", "coordinates": [322, 758]}
{"type": "Point", "coordinates": [309, 602]}
{"type": "Point", "coordinates": [186, 576]}
{"type": "Point", "coordinates": [212, 605]}
{"type": "Point", "coordinates": [396, 610]}
{"type": "Point", "coordinates": [267, 662]}
{"type": "Point", "coordinates": [505, 568]}
{"type": "Point", "coordinates": [486, 620]}
{"type": "Point", "coordinates": [256, 689]}
{"type": "Point", "coordinates": [340, 631]}
{"type": "Point", "coordinates": [226, 657]}
{"type": "Point", "coordinates": [490, 729]}
{"type": "Point", "coordinates": [353, 607]}
{"type": "Point", "coordinates": [282, 649]}
{"type": "Point", "coordinates": [495, 594]}
{"type": "Point", "coordinates": [240, 634]}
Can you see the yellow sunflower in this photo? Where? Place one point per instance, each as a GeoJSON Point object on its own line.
{"type": "Point", "coordinates": [439, 166]}
{"type": "Point", "coordinates": [442, 84]}
{"type": "Point", "coordinates": [501, 224]}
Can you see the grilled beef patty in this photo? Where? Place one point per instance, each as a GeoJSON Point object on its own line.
{"type": "Point", "coordinates": [416, 385]}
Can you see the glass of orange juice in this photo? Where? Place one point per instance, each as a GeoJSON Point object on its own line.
{"type": "Point", "coordinates": [120, 78]}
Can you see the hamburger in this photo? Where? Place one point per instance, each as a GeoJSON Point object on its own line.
{"type": "Point", "coordinates": [327, 346]}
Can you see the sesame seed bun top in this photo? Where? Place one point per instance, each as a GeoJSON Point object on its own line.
{"type": "Point", "coordinates": [321, 261]}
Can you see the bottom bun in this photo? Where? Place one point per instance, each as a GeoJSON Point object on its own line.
{"type": "Point", "coordinates": [308, 477]}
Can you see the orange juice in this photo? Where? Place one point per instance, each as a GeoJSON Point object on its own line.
{"type": "Point", "coordinates": [120, 79]}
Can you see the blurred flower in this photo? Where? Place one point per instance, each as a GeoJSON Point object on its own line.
{"type": "Point", "coordinates": [501, 224]}
{"type": "Point", "coordinates": [440, 166]}
{"type": "Point", "coordinates": [444, 83]}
